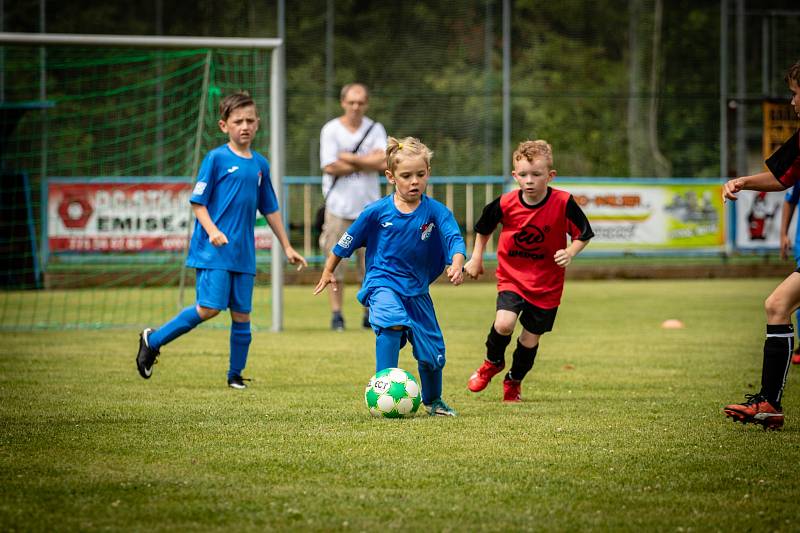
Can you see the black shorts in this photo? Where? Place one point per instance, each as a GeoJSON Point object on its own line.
{"type": "Point", "coordinates": [534, 319]}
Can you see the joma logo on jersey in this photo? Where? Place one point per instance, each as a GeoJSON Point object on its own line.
{"type": "Point", "coordinates": [426, 230]}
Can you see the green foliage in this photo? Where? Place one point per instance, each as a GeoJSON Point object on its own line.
{"type": "Point", "coordinates": [435, 71]}
{"type": "Point", "coordinates": [620, 428]}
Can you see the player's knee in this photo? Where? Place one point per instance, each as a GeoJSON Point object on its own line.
{"type": "Point", "coordinates": [528, 339]}
{"type": "Point", "coordinates": [240, 317]}
{"type": "Point", "coordinates": [206, 312]}
{"type": "Point", "coordinates": [503, 327]}
{"type": "Point", "coordinates": [776, 308]}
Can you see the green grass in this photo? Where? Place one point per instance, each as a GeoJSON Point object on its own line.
{"type": "Point", "coordinates": [620, 430]}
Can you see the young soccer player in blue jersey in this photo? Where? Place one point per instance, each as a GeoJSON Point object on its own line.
{"type": "Point", "coordinates": [409, 239]}
{"type": "Point", "coordinates": [233, 182]}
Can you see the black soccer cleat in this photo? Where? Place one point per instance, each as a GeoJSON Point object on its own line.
{"type": "Point", "coordinates": [146, 357]}
{"type": "Point", "coordinates": [237, 382]}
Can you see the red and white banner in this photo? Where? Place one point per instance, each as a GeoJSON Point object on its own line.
{"type": "Point", "coordinates": [126, 216]}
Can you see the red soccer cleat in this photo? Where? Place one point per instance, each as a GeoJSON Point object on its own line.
{"type": "Point", "coordinates": [481, 377]}
{"type": "Point", "coordinates": [756, 410]}
{"type": "Point", "coordinates": [512, 390]}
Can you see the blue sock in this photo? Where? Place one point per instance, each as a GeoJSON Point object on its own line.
{"type": "Point", "coordinates": [431, 383]}
{"type": "Point", "coordinates": [184, 321]}
{"type": "Point", "coordinates": [240, 345]}
{"type": "Point", "coordinates": [387, 348]}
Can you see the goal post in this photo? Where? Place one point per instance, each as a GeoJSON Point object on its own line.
{"type": "Point", "coordinates": [91, 71]}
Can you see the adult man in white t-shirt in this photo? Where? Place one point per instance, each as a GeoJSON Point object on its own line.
{"type": "Point", "coordinates": [352, 151]}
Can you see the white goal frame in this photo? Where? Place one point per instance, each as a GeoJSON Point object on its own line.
{"type": "Point", "coordinates": [277, 108]}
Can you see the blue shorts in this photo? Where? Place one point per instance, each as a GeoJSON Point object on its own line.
{"type": "Point", "coordinates": [221, 289]}
{"type": "Point", "coordinates": [416, 314]}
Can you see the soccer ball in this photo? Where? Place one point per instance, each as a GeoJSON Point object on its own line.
{"type": "Point", "coordinates": [392, 393]}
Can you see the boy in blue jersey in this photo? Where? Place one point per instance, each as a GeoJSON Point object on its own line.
{"type": "Point", "coordinates": [232, 183]}
{"type": "Point", "coordinates": [409, 239]}
{"type": "Point", "coordinates": [789, 204]}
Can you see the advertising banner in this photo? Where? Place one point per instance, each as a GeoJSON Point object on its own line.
{"type": "Point", "coordinates": [127, 215]}
{"type": "Point", "coordinates": [635, 215]}
{"type": "Point", "coordinates": [779, 123]}
{"type": "Point", "coordinates": [758, 220]}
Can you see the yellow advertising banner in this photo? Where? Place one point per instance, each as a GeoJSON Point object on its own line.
{"type": "Point", "coordinates": [780, 122]}
{"type": "Point", "coordinates": [627, 214]}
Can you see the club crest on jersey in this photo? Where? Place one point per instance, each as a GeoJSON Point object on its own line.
{"type": "Point", "coordinates": [426, 230]}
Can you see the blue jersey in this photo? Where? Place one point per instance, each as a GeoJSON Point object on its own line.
{"type": "Point", "coordinates": [232, 188]}
{"type": "Point", "coordinates": [405, 252]}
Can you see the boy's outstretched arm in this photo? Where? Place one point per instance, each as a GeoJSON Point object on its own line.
{"type": "Point", "coordinates": [763, 181]}
{"type": "Point", "coordinates": [456, 270]}
{"type": "Point", "coordinates": [564, 256]}
{"type": "Point", "coordinates": [327, 276]}
{"type": "Point", "coordinates": [276, 224]}
{"type": "Point", "coordinates": [474, 267]}
{"type": "Point", "coordinates": [215, 236]}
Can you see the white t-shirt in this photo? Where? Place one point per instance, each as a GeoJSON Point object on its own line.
{"type": "Point", "coordinates": [352, 192]}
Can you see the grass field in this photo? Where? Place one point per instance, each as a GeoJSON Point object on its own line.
{"type": "Point", "coordinates": [620, 428]}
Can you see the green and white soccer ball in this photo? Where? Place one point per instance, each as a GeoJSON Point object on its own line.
{"type": "Point", "coordinates": [392, 393]}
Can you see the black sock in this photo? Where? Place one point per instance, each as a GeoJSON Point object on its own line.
{"type": "Point", "coordinates": [523, 362]}
{"type": "Point", "coordinates": [496, 346]}
{"type": "Point", "coordinates": [777, 357]}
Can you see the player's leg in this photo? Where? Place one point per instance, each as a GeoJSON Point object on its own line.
{"type": "Point", "coordinates": [765, 407]}
{"type": "Point", "coordinates": [241, 303]}
{"type": "Point", "coordinates": [151, 341]}
{"type": "Point", "coordinates": [361, 258]}
{"type": "Point", "coordinates": [535, 323]}
{"type": "Point", "coordinates": [332, 230]}
{"type": "Point", "coordinates": [509, 305]}
{"type": "Point", "coordinates": [425, 336]}
{"type": "Point", "coordinates": [796, 353]}
{"type": "Point", "coordinates": [389, 321]}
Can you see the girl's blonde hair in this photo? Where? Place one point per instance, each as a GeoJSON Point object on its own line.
{"type": "Point", "coordinates": [408, 147]}
{"type": "Point", "coordinates": [533, 149]}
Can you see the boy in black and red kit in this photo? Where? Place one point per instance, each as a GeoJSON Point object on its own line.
{"type": "Point", "coordinates": [532, 253]}
{"type": "Point", "coordinates": [784, 171]}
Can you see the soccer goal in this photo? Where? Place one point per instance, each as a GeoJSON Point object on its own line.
{"type": "Point", "coordinates": [101, 137]}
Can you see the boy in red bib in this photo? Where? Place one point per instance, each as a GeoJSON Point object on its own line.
{"type": "Point", "coordinates": [532, 253]}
